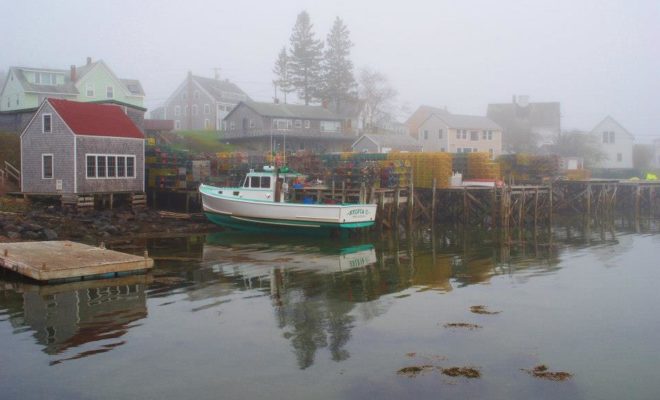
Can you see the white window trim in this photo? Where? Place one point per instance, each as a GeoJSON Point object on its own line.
{"type": "Point", "coordinates": [43, 125]}
{"type": "Point", "coordinates": [106, 177]}
{"type": "Point", "coordinates": [52, 165]}
{"type": "Point", "coordinates": [89, 86]}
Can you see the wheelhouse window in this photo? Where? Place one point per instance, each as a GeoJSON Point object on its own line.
{"type": "Point", "coordinates": [47, 166]}
{"type": "Point", "coordinates": [265, 182]}
{"type": "Point", "coordinates": [46, 125]}
{"type": "Point", "coordinates": [254, 181]}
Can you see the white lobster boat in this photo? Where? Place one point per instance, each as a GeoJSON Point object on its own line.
{"type": "Point", "coordinates": [260, 203]}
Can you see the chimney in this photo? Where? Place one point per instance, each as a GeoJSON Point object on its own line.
{"type": "Point", "coordinates": [74, 76]}
{"type": "Point", "coordinates": [89, 60]}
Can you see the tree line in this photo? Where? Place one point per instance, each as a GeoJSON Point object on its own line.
{"type": "Point", "coordinates": [322, 72]}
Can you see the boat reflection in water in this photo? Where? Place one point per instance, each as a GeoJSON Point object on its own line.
{"type": "Point", "coordinates": [78, 319]}
{"type": "Point", "coordinates": [246, 256]}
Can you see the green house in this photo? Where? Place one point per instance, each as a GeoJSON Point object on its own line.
{"type": "Point", "coordinates": [26, 88]}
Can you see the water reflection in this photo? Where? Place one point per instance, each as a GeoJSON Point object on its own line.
{"type": "Point", "coordinates": [318, 291]}
{"type": "Point", "coordinates": [69, 316]}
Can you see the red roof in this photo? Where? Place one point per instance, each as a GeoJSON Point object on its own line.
{"type": "Point", "coordinates": [96, 119]}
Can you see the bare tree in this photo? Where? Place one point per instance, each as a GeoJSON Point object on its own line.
{"type": "Point", "coordinates": [378, 95]}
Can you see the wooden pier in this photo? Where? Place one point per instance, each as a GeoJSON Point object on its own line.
{"type": "Point", "coordinates": [507, 207]}
{"type": "Point", "coordinates": [63, 261]}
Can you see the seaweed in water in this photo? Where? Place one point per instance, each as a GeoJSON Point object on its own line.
{"type": "Point", "coordinates": [541, 371]}
{"type": "Point", "coordinates": [467, 372]}
{"type": "Point", "coordinates": [480, 309]}
{"type": "Point", "coordinates": [413, 371]}
{"type": "Point", "coordinates": [462, 325]}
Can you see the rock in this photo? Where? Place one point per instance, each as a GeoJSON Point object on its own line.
{"type": "Point", "coordinates": [49, 234]}
{"type": "Point", "coordinates": [13, 235]}
{"type": "Point", "coordinates": [30, 226]}
{"type": "Point", "coordinates": [31, 235]}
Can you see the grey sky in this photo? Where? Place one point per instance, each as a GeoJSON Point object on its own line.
{"type": "Point", "coordinates": [595, 57]}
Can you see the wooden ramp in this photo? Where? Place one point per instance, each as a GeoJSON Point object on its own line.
{"type": "Point", "coordinates": [66, 261]}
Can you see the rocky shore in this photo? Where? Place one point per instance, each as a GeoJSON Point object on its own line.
{"type": "Point", "coordinates": [20, 223]}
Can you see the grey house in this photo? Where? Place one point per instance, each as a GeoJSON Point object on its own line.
{"type": "Point", "coordinates": [385, 144]}
{"type": "Point", "coordinates": [81, 148]}
{"type": "Point", "coordinates": [258, 127]}
{"type": "Point", "coordinates": [200, 103]}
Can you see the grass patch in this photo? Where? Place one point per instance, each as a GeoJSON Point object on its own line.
{"type": "Point", "coordinates": [201, 142]}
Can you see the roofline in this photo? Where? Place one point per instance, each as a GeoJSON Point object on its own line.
{"type": "Point", "coordinates": [362, 137]}
{"type": "Point", "coordinates": [46, 100]}
{"type": "Point", "coordinates": [20, 111]}
{"type": "Point", "coordinates": [275, 116]}
{"type": "Point", "coordinates": [116, 102]}
{"type": "Point", "coordinates": [616, 122]}
{"type": "Point", "coordinates": [112, 75]}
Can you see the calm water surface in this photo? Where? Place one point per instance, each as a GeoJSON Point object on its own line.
{"type": "Point", "coordinates": [241, 317]}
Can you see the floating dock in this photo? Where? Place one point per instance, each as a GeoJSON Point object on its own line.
{"type": "Point", "coordinates": [63, 261]}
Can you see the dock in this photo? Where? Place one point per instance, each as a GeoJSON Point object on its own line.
{"type": "Point", "coordinates": [64, 261]}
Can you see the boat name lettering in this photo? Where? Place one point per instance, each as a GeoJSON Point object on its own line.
{"type": "Point", "coordinates": [358, 211]}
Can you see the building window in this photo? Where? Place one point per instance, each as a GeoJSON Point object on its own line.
{"type": "Point", "coordinates": [251, 124]}
{"type": "Point", "coordinates": [307, 123]}
{"type": "Point", "coordinates": [177, 124]}
{"type": "Point", "coordinates": [490, 135]}
{"type": "Point", "coordinates": [91, 166]}
{"type": "Point", "coordinates": [194, 109]}
{"type": "Point", "coordinates": [282, 124]}
{"type": "Point", "coordinates": [458, 134]}
{"type": "Point", "coordinates": [47, 123]}
{"type": "Point", "coordinates": [298, 123]}
{"type": "Point", "coordinates": [232, 125]}
{"type": "Point", "coordinates": [474, 135]}
{"type": "Point", "coordinates": [464, 134]}
{"type": "Point", "coordinates": [110, 92]}
{"type": "Point", "coordinates": [484, 135]}
{"type": "Point", "coordinates": [130, 167]}
{"type": "Point", "coordinates": [330, 126]}
{"type": "Point", "coordinates": [207, 123]}
{"type": "Point", "coordinates": [100, 166]}
{"type": "Point", "coordinates": [608, 137]}
{"type": "Point", "coordinates": [47, 166]}
{"type": "Point", "coordinates": [442, 149]}
{"type": "Point", "coordinates": [112, 166]}
{"type": "Point", "coordinates": [619, 157]}
{"type": "Point", "coordinates": [611, 136]}
{"type": "Point", "coordinates": [185, 110]}
{"type": "Point", "coordinates": [196, 94]}
{"type": "Point", "coordinates": [459, 150]}
{"type": "Point", "coordinates": [439, 133]}
{"type": "Point", "coordinates": [89, 90]}
{"type": "Point", "coordinates": [426, 134]}
{"type": "Point", "coordinates": [207, 109]}
{"type": "Point", "coordinates": [492, 153]}
{"type": "Point", "coordinates": [121, 166]}
{"type": "Point", "coordinates": [177, 111]}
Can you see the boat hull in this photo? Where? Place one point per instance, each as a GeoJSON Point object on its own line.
{"type": "Point", "coordinates": [245, 214]}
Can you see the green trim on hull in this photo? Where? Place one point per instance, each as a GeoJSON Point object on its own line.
{"type": "Point", "coordinates": [261, 224]}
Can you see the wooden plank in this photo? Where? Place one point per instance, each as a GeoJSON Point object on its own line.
{"type": "Point", "coordinates": [56, 260]}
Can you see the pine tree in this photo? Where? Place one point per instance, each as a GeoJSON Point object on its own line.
{"type": "Point", "coordinates": [338, 83]}
{"type": "Point", "coordinates": [305, 59]}
{"type": "Point", "coordinates": [282, 74]}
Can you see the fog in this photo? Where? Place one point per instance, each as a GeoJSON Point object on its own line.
{"type": "Point", "coordinates": [597, 58]}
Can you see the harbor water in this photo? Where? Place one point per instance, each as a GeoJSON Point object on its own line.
{"type": "Point", "coordinates": [571, 314]}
